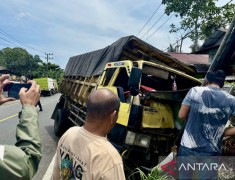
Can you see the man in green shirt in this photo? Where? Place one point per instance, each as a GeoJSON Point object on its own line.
{"type": "Point", "coordinates": [21, 161]}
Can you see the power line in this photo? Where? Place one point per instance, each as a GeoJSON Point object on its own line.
{"type": "Point", "coordinates": [58, 59]}
{"type": "Point", "coordinates": [4, 44]}
{"type": "Point", "coordinates": [149, 19]}
{"type": "Point", "coordinates": [9, 38]}
{"type": "Point", "coordinates": [226, 3]}
{"type": "Point", "coordinates": [18, 41]}
{"type": "Point", "coordinates": [154, 24]}
{"type": "Point", "coordinates": [185, 36]}
{"type": "Point", "coordinates": [161, 26]}
{"type": "Point", "coordinates": [6, 41]}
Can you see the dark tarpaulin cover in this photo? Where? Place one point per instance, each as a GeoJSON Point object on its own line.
{"type": "Point", "coordinates": [126, 48]}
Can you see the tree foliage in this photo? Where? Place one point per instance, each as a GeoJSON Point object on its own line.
{"type": "Point", "coordinates": [21, 63]}
{"type": "Point", "coordinates": [199, 17]}
{"type": "Point", "coordinates": [172, 49]}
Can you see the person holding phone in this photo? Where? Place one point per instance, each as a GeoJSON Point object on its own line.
{"type": "Point", "coordinates": [20, 161]}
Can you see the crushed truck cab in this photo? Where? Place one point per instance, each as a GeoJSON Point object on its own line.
{"type": "Point", "coordinates": [148, 122]}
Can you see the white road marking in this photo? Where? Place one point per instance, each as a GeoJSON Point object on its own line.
{"type": "Point", "coordinates": [2, 152]}
{"type": "Point", "coordinates": [49, 171]}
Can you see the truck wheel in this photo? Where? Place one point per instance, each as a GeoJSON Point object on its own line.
{"type": "Point", "coordinates": [61, 123]}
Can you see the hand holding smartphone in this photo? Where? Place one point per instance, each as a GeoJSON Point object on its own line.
{"type": "Point", "coordinates": [13, 89]}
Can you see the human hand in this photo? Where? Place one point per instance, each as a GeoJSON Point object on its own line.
{"type": "Point", "coordinates": [30, 96]}
{"type": "Point", "coordinates": [229, 131]}
{"type": "Point", "coordinates": [4, 80]}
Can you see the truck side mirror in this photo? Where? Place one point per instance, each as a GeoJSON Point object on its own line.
{"type": "Point", "coordinates": [134, 81]}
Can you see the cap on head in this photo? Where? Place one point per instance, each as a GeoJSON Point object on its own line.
{"type": "Point", "coordinates": [217, 77]}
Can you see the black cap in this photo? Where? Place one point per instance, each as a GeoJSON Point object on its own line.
{"type": "Point", "coordinates": [217, 77]}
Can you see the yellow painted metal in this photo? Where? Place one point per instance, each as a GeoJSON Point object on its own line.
{"type": "Point", "coordinates": [123, 115]}
{"type": "Point", "coordinates": [167, 68]}
{"type": "Point", "coordinates": [157, 115]}
{"type": "Point", "coordinates": [124, 111]}
{"type": "Point", "coordinates": [114, 77]}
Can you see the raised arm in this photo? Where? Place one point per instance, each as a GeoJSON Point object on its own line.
{"type": "Point", "coordinates": [3, 82]}
{"type": "Point", "coordinates": [21, 161]}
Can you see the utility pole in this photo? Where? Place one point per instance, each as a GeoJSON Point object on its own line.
{"type": "Point", "coordinates": [47, 58]}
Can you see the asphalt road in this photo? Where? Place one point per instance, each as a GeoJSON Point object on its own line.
{"type": "Point", "coordinates": [9, 120]}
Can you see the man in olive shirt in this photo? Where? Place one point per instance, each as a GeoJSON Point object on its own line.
{"type": "Point", "coordinates": [21, 161]}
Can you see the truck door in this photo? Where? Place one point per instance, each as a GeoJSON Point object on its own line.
{"type": "Point", "coordinates": [116, 79]}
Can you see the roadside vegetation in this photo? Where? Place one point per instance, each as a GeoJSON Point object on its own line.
{"type": "Point", "coordinates": [198, 19]}
{"type": "Point", "coordinates": [21, 63]}
{"type": "Point", "coordinates": [155, 173]}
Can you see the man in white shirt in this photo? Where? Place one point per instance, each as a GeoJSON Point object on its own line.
{"type": "Point", "coordinates": [84, 152]}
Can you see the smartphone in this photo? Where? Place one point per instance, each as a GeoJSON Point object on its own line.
{"type": "Point", "coordinates": [14, 89]}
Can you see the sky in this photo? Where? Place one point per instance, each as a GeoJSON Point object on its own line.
{"type": "Point", "coordinates": [73, 27]}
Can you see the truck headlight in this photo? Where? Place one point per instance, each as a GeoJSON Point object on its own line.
{"type": "Point", "coordinates": [137, 139]}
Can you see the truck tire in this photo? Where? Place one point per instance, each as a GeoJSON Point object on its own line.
{"type": "Point", "coordinates": [61, 123]}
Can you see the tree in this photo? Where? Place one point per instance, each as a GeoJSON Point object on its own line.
{"type": "Point", "coordinates": [54, 71]}
{"type": "Point", "coordinates": [17, 60]}
{"type": "Point", "coordinates": [20, 62]}
{"type": "Point", "coordinates": [199, 17]}
{"type": "Point", "coordinates": [171, 48]}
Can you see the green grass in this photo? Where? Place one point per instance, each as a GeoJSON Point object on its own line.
{"type": "Point", "coordinates": [154, 174]}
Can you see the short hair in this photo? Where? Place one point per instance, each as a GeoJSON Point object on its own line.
{"type": "Point", "coordinates": [102, 102]}
{"type": "Point", "coordinates": [217, 77]}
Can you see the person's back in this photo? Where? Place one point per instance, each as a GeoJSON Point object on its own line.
{"type": "Point", "coordinates": [207, 110]}
{"type": "Point", "coordinates": [210, 109]}
{"type": "Point", "coordinates": [84, 152]}
{"type": "Point", "coordinates": [87, 156]}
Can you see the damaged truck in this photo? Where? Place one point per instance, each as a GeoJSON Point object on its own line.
{"type": "Point", "coordinates": [151, 85]}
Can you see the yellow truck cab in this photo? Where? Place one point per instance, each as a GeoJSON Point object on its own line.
{"type": "Point", "coordinates": [150, 92]}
